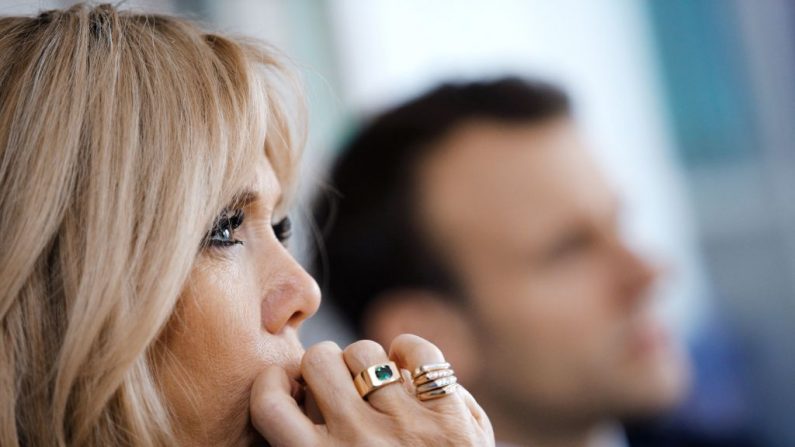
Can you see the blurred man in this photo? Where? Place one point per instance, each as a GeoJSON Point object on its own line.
{"type": "Point", "coordinates": [475, 217]}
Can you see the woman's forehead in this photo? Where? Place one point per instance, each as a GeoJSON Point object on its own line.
{"type": "Point", "coordinates": [265, 185]}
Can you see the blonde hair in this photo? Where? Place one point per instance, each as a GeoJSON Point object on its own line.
{"type": "Point", "coordinates": [122, 136]}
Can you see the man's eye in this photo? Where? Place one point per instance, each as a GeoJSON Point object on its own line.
{"type": "Point", "coordinates": [283, 229]}
{"type": "Point", "coordinates": [570, 245]}
{"type": "Point", "coordinates": [224, 228]}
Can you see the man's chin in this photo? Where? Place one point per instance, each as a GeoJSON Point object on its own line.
{"type": "Point", "coordinates": [657, 370]}
{"type": "Point", "coordinates": [660, 384]}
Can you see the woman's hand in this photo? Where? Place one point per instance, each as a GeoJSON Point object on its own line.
{"type": "Point", "coordinates": [391, 415]}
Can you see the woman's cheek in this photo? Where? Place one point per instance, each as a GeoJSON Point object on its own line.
{"type": "Point", "coordinates": [244, 304]}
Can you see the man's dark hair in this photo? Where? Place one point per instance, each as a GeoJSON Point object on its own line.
{"type": "Point", "coordinates": [371, 242]}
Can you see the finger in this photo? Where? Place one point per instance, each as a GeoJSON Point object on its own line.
{"type": "Point", "coordinates": [477, 412]}
{"type": "Point", "coordinates": [410, 352]}
{"type": "Point", "coordinates": [274, 412]}
{"type": "Point", "coordinates": [390, 398]}
{"type": "Point", "coordinates": [311, 409]}
{"type": "Point", "coordinates": [329, 381]}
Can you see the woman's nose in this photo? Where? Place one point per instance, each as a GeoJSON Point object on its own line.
{"type": "Point", "coordinates": [309, 300]}
{"type": "Point", "coordinates": [294, 297]}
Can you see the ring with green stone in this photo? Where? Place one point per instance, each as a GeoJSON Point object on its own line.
{"type": "Point", "coordinates": [375, 377]}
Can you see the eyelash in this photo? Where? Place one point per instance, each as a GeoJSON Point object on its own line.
{"type": "Point", "coordinates": [225, 225]}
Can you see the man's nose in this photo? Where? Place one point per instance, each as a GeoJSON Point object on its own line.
{"type": "Point", "coordinates": [637, 274]}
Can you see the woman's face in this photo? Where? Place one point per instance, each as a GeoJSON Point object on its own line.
{"type": "Point", "coordinates": [239, 312]}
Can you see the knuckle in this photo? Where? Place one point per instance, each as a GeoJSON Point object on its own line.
{"type": "Point", "coordinates": [364, 352]}
{"type": "Point", "coordinates": [320, 352]}
{"type": "Point", "coordinates": [363, 346]}
{"type": "Point", "coordinates": [408, 342]}
{"type": "Point", "coordinates": [264, 404]}
{"type": "Point", "coordinates": [409, 339]}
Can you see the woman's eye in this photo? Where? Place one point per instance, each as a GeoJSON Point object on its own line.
{"type": "Point", "coordinates": [283, 229]}
{"type": "Point", "coordinates": [224, 228]}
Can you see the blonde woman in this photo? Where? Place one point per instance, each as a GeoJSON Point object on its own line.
{"type": "Point", "coordinates": [146, 296]}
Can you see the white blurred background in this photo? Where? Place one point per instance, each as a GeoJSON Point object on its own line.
{"type": "Point", "coordinates": [689, 105]}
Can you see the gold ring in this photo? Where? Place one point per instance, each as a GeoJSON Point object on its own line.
{"type": "Point", "coordinates": [432, 375]}
{"type": "Point", "coordinates": [434, 380]}
{"type": "Point", "coordinates": [439, 392]}
{"type": "Point", "coordinates": [428, 367]}
{"type": "Point", "coordinates": [375, 377]}
{"type": "Point", "coordinates": [434, 384]}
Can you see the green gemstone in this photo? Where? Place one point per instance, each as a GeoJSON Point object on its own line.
{"type": "Point", "coordinates": [383, 372]}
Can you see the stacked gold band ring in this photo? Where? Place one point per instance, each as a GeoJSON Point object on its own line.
{"type": "Point", "coordinates": [375, 377]}
{"type": "Point", "coordinates": [434, 380]}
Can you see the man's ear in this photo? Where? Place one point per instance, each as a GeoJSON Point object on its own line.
{"type": "Point", "coordinates": [431, 316]}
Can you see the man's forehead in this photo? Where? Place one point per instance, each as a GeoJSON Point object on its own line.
{"type": "Point", "coordinates": [511, 174]}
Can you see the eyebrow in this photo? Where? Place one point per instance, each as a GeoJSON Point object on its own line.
{"type": "Point", "coordinates": [243, 199]}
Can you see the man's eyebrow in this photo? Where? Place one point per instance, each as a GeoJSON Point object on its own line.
{"type": "Point", "coordinates": [243, 199]}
